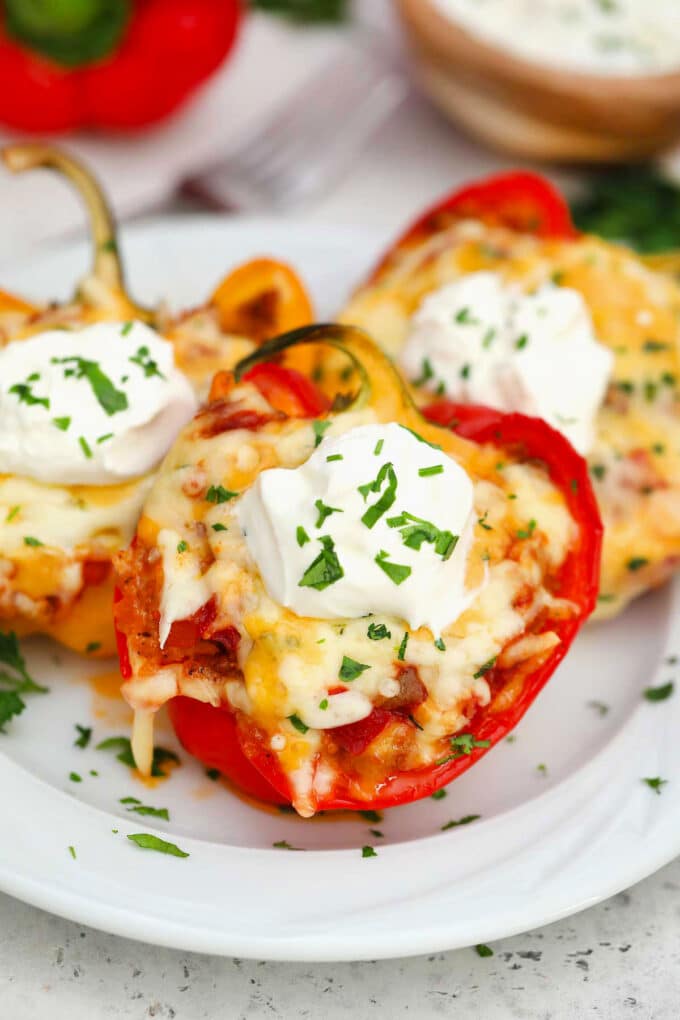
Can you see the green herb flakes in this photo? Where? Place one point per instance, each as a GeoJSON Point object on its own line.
{"type": "Point", "coordinates": [465, 820]}
{"type": "Point", "coordinates": [325, 569]}
{"type": "Point", "coordinates": [659, 693]}
{"type": "Point", "coordinates": [218, 494]}
{"type": "Point", "coordinates": [378, 632]}
{"type": "Point", "coordinates": [368, 851]}
{"type": "Point", "coordinates": [147, 841]}
{"type": "Point", "coordinates": [84, 736]}
{"type": "Point", "coordinates": [350, 669]}
{"type": "Point", "coordinates": [297, 722]}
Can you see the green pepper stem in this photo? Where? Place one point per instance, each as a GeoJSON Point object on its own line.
{"type": "Point", "coordinates": [107, 268]}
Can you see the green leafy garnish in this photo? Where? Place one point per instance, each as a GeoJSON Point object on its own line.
{"type": "Point", "coordinates": [320, 428]}
{"type": "Point", "coordinates": [110, 399]}
{"type": "Point", "coordinates": [84, 736]}
{"type": "Point", "coordinates": [302, 536]}
{"type": "Point", "coordinates": [72, 851]}
{"type": "Point", "coordinates": [334, 456]}
{"type": "Point", "coordinates": [427, 373]}
{"type": "Point", "coordinates": [382, 505]}
{"type": "Point", "coordinates": [12, 513]}
{"type": "Point", "coordinates": [283, 844]}
{"type": "Point", "coordinates": [133, 804]}
{"type": "Point", "coordinates": [637, 563]}
{"type": "Point", "coordinates": [146, 363]}
{"type": "Point", "coordinates": [218, 494]}
{"type": "Point", "coordinates": [126, 757]}
{"type": "Point", "coordinates": [16, 682]}
{"type": "Point", "coordinates": [371, 816]}
{"type": "Point", "coordinates": [439, 645]}
{"type": "Point", "coordinates": [415, 530]}
{"type": "Point", "coordinates": [61, 423]}
{"type": "Point", "coordinates": [397, 572]}
{"type": "Point", "coordinates": [24, 391]}
{"type": "Point", "coordinates": [528, 531]}
{"type": "Point", "coordinates": [402, 647]}
{"type": "Point", "coordinates": [635, 204]}
{"type": "Point", "coordinates": [655, 783]}
{"type": "Point", "coordinates": [75, 778]}
{"type": "Point", "coordinates": [325, 569]}
{"type": "Point", "coordinates": [350, 669]}
{"type": "Point", "coordinates": [659, 693]}
{"type": "Point", "coordinates": [32, 541]}
{"type": "Point", "coordinates": [438, 794]}
{"type": "Point", "coordinates": [147, 841]}
{"type": "Point", "coordinates": [297, 722]}
{"type": "Point", "coordinates": [324, 512]}
{"type": "Point", "coordinates": [92, 646]}
{"type": "Point", "coordinates": [219, 527]}
{"type": "Point", "coordinates": [85, 447]}
{"type": "Point", "coordinates": [489, 664]}
{"type": "Point", "coordinates": [368, 851]}
{"type": "Point", "coordinates": [465, 820]}
{"type": "Point", "coordinates": [483, 950]}
{"type": "Point", "coordinates": [378, 631]}
{"type": "Point", "coordinates": [305, 10]}
{"type": "Point", "coordinates": [213, 774]}
{"type": "Point", "coordinates": [427, 472]}
{"type": "Point", "coordinates": [461, 745]}
{"type": "Point", "coordinates": [378, 447]}
{"type": "Point", "coordinates": [182, 546]}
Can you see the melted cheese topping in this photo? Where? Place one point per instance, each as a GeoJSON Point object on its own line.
{"type": "Point", "coordinates": [635, 456]}
{"type": "Point", "coordinates": [302, 675]}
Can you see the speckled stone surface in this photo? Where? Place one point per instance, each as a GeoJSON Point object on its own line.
{"type": "Point", "coordinates": [617, 960]}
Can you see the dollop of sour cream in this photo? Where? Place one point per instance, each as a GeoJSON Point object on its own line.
{"type": "Point", "coordinates": [611, 37]}
{"type": "Point", "coordinates": [92, 406]}
{"type": "Point", "coordinates": [376, 521]}
{"type": "Point", "coordinates": [481, 340]}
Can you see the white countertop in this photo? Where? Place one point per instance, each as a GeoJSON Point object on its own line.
{"type": "Point", "coordinates": [619, 959]}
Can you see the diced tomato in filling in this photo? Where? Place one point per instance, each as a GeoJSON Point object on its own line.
{"type": "Point", "coordinates": [95, 572]}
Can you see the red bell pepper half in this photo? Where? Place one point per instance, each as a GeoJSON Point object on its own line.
{"type": "Point", "coordinates": [518, 200]}
{"type": "Point", "coordinates": [234, 745]}
{"type": "Point", "coordinates": [118, 64]}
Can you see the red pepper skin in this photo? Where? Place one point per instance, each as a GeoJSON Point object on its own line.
{"type": "Point", "coordinates": [578, 582]}
{"type": "Point", "coordinates": [288, 390]}
{"type": "Point", "coordinates": [518, 200]}
{"type": "Point", "coordinates": [169, 48]}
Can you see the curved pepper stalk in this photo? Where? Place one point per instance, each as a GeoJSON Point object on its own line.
{"type": "Point", "coordinates": [106, 278]}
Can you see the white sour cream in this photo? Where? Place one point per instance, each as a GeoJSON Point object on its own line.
{"type": "Point", "coordinates": [355, 560]}
{"type": "Point", "coordinates": [92, 406]}
{"type": "Point", "coordinates": [481, 340]}
{"type": "Point", "coordinates": [609, 37]}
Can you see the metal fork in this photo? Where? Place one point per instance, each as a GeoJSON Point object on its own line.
{"type": "Point", "coordinates": [312, 139]}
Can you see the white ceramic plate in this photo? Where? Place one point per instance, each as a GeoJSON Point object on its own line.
{"type": "Point", "coordinates": [550, 841]}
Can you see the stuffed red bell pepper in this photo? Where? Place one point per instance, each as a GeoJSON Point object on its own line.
{"type": "Point", "coordinates": [346, 608]}
{"type": "Point", "coordinates": [118, 64]}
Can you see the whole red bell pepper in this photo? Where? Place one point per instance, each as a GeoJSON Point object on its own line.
{"type": "Point", "coordinates": [519, 200]}
{"type": "Point", "coordinates": [233, 744]}
{"type": "Point", "coordinates": [120, 64]}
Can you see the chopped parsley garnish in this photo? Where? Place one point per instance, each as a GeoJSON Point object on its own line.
{"type": "Point", "coordinates": [377, 833]}
{"type": "Point", "coordinates": [489, 664]}
{"type": "Point", "coordinates": [85, 447]}
{"type": "Point", "coordinates": [302, 536]}
{"type": "Point", "coordinates": [482, 521]}
{"type": "Point", "coordinates": [658, 448]}
{"type": "Point", "coordinates": [61, 423]}
{"type": "Point", "coordinates": [439, 645]}
{"type": "Point", "coordinates": [325, 569]}
{"type": "Point", "coordinates": [283, 844]}
{"type": "Point", "coordinates": [378, 631]}
{"type": "Point", "coordinates": [126, 328]}
{"type": "Point", "coordinates": [146, 363]}
{"type": "Point", "coordinates": [320, 428]}
{"type": "Point", "coordinates": [528, 531]}
{"type": "Point", "coordinates": [465, 820]}
{"type": "Point", "coordinates": [32, 541]}
{"type": "Point", "coordinates": [427, 373]}
{"type": "Point", "coordinates": [604, 597]}
{"type": "Point", "coordinates": [542, 769]}
{"type": "Point", "coordinates": [483, 950]}
{"type": "Point", "coordinates": [598, 471]}
{"type": "Point", "coordinates": [75, 778]}
{"type": "Point", "coordinates": [182, 546]}
{"type": "Point", "coordinates": [72, 851]}
{"type": "Point", "coordinates": [414, 531]}
{"type": "Point", "coordinates": [24, 392]}
{"type": "Point", "coordinates": [436, 469]}
{"type": "Point", "coordinates": [84, 736]}
{"type": "Point", "coordinates": [213, 774]}
{"type": "Point", "coordinates": [521, 342]}
{"type": "Point", "coordinates": [133, 804]}
{"type": "Point", "coordinates": [382, 505]}
{"type": "Point", "coordinates": [378, 447]}
{"type": "Point", "coordinates": [218, 494]}
{"type": "Point", "coordinates": [147, 841]}
{"type": "Point", "coordinates": [489, 337]}
{"type": "Point", "coordinates": [650, 391]}
{"type": "Point", "coordinates": [323, 704]}
{"type": "Point", "coordinates": [13, 512]}
{"type": "Point", "coordinates": [110, 399]}
{"type": "Point", "coordinates": [654, 346]}
{"type": "Point", "coordinates": [397, 572]}
{"type": "Point", "coordinates": [465, 372]}
{"type": "Point", "coordinates": [368, 851]}
{"type": "Point", "coordinates": [659, 693]}
{"type": "Point", "coordinates": [438, 794]}
{"type": "Point", "coordinates": [350, 669]}
{"type": "Point", "coordinates": [124, 748]}
{"type": "Point", "coordinates": [599, 706]}
{"type": "Point", "coordinates": [105, 437]}
{"type": "Point", "coordinates": [637, 563]}
{"type": "Point", "coordinates": [370, 815]}
{"type": "Point", "coordinates": [92, 646]}
{"type": "Point", "coordinates": [464, 743]}
{"type": "Point", "coordinates": [402, 647]}
{"type": "Point", "coordinates": [334, 456]}
{"type": "Point", "coordinates": [324, 512]}
{"type": "Point", "coordinates": [464, 316]}
{"type": "Point", "coordinates": [297, 722]}
{"type": "Point", "coordinates": [421, 439]}
{"type": "Point", "coordinates": [655, 783]}
{"type": "Point", "coordinates": [219, 527]}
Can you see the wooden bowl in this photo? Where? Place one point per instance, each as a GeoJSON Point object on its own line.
{"type": "Point", "coordinates": [535, 111]}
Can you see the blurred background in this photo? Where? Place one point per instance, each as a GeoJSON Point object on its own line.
{"type": "Point", "coordinates": [343, 112]}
